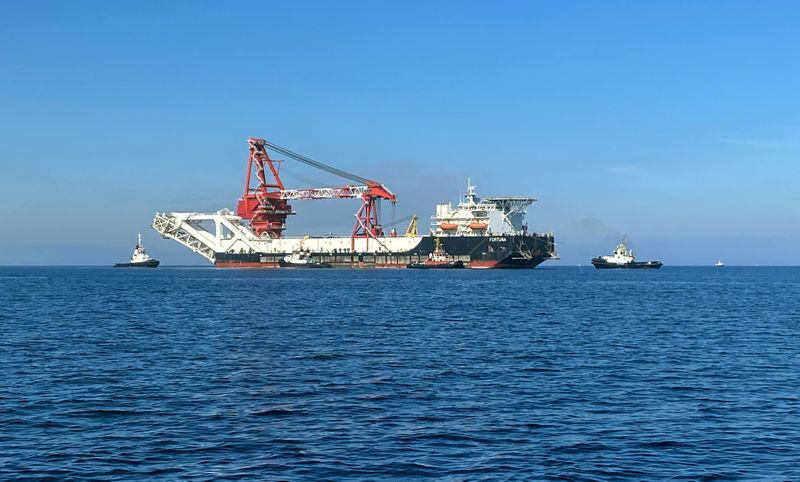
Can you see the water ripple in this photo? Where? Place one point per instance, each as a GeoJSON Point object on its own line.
{"type": "Point", "coordinates": [550, 374]}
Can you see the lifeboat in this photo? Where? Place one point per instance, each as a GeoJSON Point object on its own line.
{"type": "Point", "coordinates": [448, 226]}
{"type": "Point", "coordinates": [478, 226]}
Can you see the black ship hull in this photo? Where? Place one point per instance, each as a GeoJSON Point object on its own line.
{"type": "Point", "coordinates": [600, 263]}
{"type": "Point", "coordinates": [450, 265]}
{"type": "Point", "coordinates": [478, 252]}
{"type": "Point", "coordinates": [150, 263]}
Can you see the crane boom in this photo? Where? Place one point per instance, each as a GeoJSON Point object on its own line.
{"type": "Point", "coordinates": [325, 192]}
{"type": "Point", "coordinates": [266, 206]}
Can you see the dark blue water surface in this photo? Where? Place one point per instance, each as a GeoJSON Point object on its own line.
{"type": "Point", "coordinates": [686, 373]}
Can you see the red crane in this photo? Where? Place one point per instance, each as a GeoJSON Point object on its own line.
{"type": "Point", "coordinates": [265, 199]}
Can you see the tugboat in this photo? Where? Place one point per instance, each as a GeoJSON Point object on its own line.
{"type": "Point", "coordinates": [623, 258]}
{"type": "Point", "coordinates": [438, 259]}
{"type": "Point", "coordinates": [302, 259]}
{"type": "Point", "coordinates": [139, 259]}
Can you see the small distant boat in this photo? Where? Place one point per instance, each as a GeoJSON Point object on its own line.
{"type": "Point", "coordinates": [623, 258]}
{"type": "Point", "coordinates": [438, 259]}
{"type": "Point", "coordinates": [302, 259]}
{"type": "Point", "coordinates": [719, 264]}
{"type": "Point", "coordinates": [140, 258]}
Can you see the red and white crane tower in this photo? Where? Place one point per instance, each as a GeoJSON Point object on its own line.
{"type": "Point", "coordinates": [265, 199]}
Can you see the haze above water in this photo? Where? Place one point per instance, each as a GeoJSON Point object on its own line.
{"type": "Point", "coordinates": [676, 124]}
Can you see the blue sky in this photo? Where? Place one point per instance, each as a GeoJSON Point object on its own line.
{"type": "Point", "coordinates": [676, 123]}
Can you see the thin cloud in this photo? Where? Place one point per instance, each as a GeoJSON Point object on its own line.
{"type": "Point", "coordinates": [758, 143]}
{"type": "Point", "coordinates": [627, 169]}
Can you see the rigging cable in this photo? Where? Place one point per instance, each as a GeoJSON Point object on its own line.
{"type": "Point", "coordinates": [317, 164]}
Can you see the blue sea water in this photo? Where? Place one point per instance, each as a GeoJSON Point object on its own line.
{"type": "Point", "coordinates": [552, 373]}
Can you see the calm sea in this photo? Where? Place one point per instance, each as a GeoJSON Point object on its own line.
{"type": "Point", "coordinates": [685, 373]}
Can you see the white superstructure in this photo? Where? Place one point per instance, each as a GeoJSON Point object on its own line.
{"type": "Point", "coordinates": [480, 217]}
{"type": "Point", "coordinates": [620, 255]}
{"type": "Point", "coordinates": [139, 254]}
{"type": "Point", "coordinates": [299, 258]}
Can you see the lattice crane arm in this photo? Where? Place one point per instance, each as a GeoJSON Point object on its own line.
{"type": "Point", "coordinates": [266, 206]}
{"type": "Point", "coordinates": [325, 192]}
{"type": "Point", "coordinates": [375, 189]}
